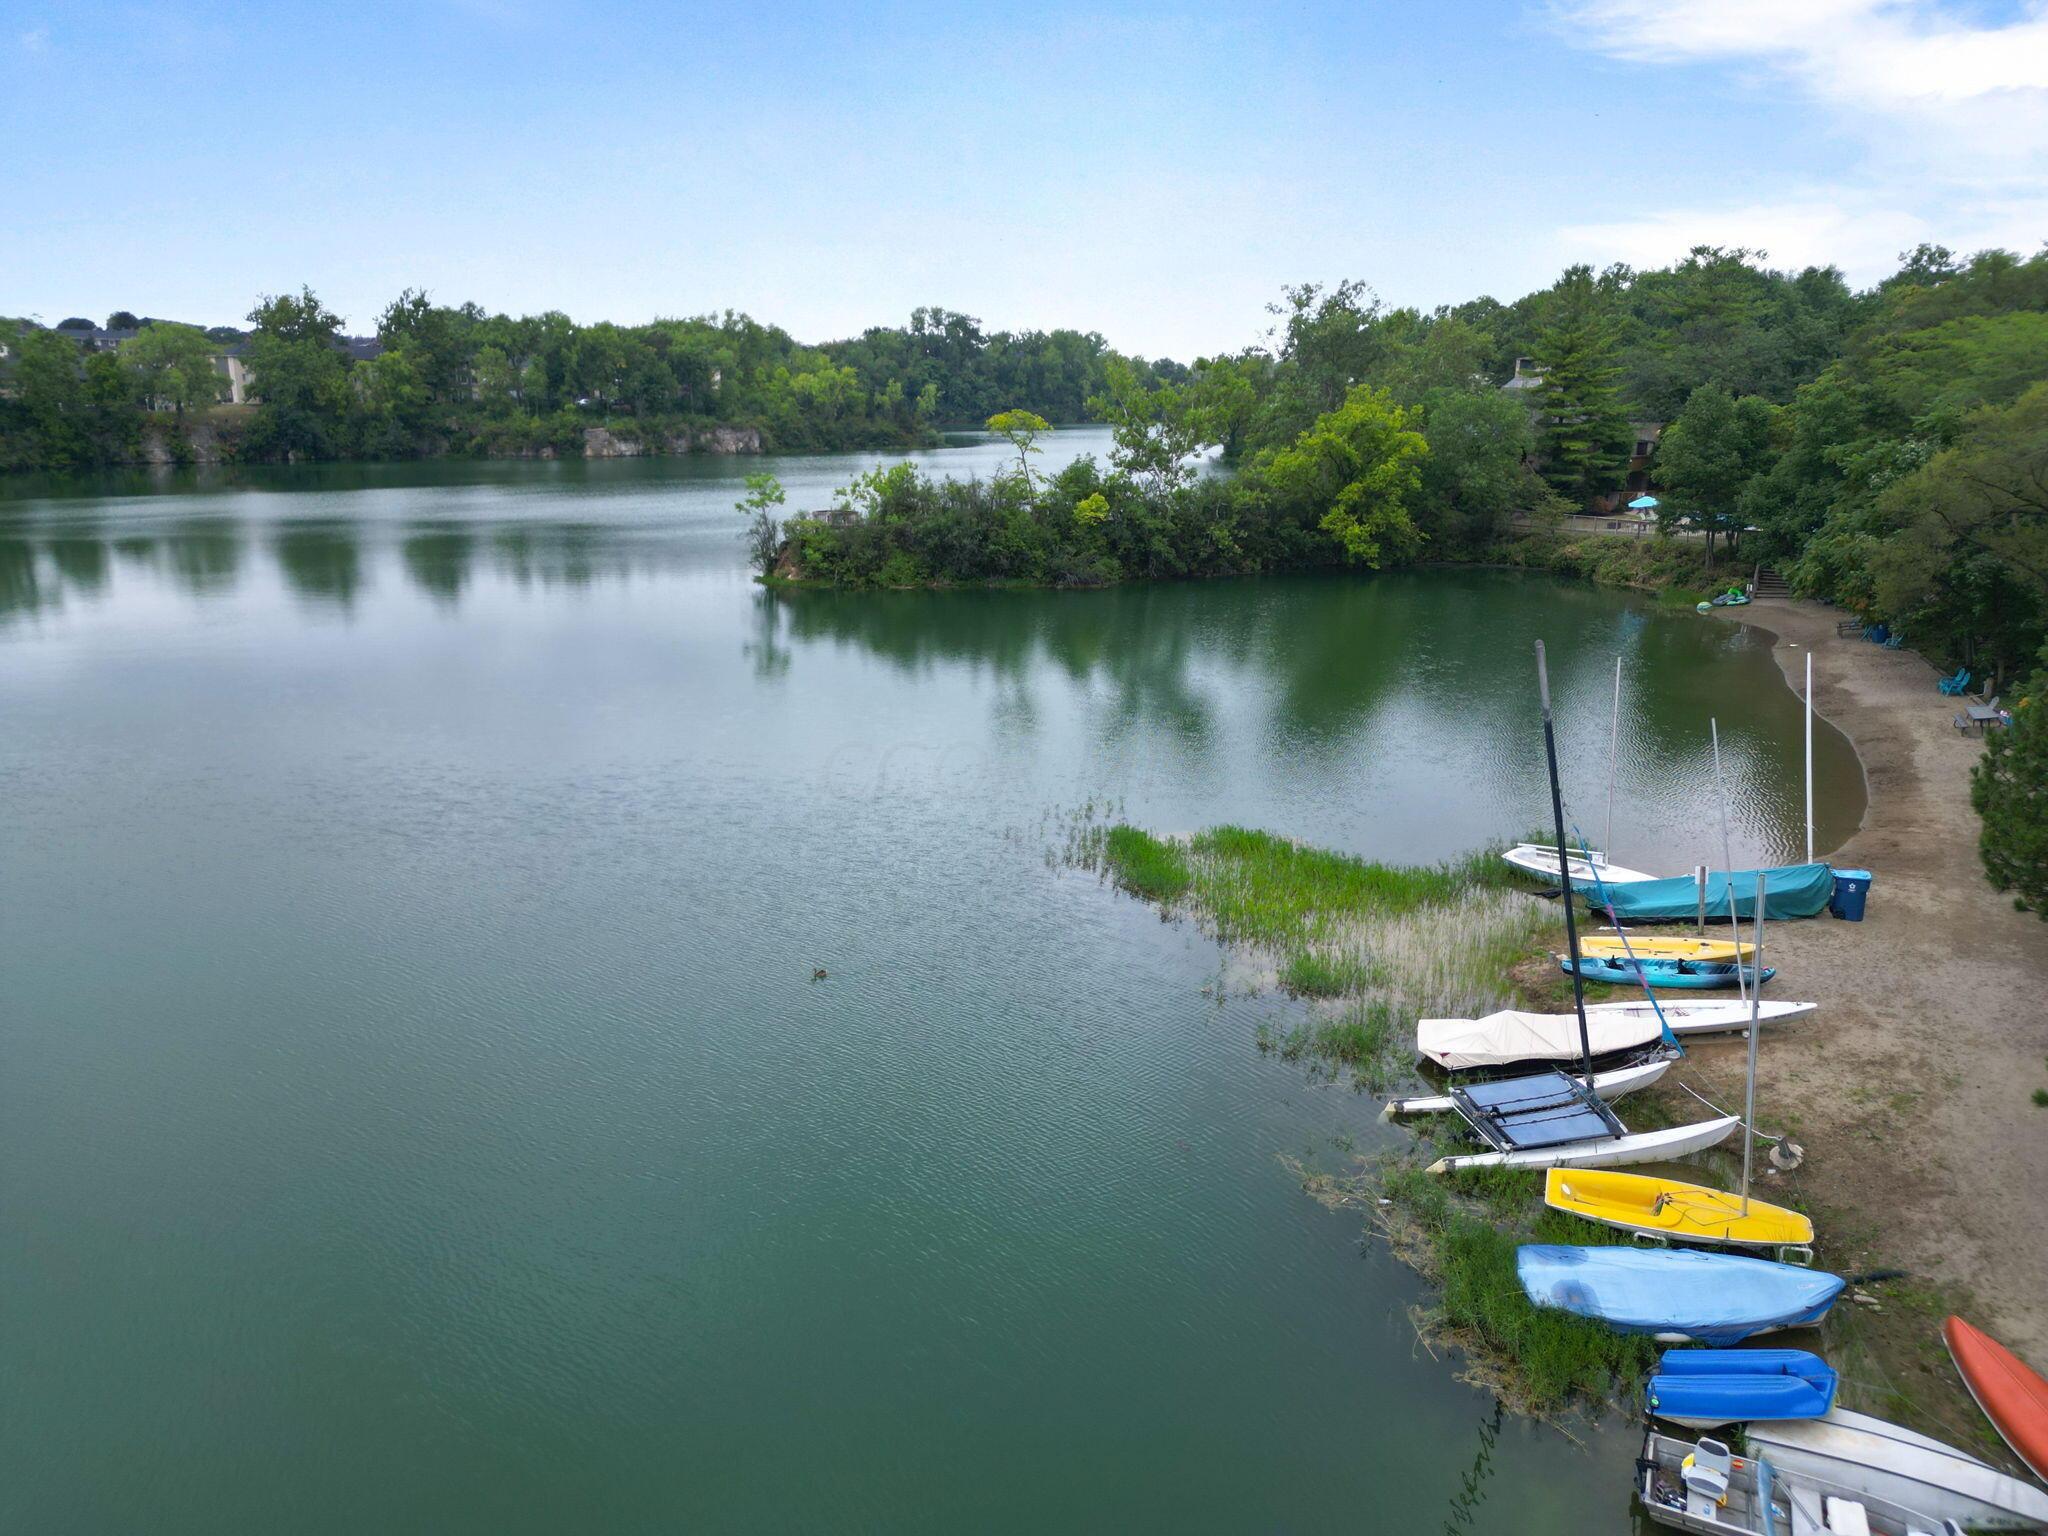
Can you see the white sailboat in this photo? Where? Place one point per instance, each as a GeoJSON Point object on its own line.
{"type": "Point", "coordinates": [1510, 1035]}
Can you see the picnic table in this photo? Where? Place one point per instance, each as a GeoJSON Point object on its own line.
{"type": "Point", "coordinates": [1984, 716]}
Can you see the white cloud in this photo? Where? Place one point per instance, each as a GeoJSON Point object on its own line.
{"type": "Point", "coordinates": [36, 40]}
{"type": "Point", "coordinates": [1862, 232]}
{"type": "Point", "coordinates": [1953, 112]}
{"type": "Point", "coordinates": [1910, 74]}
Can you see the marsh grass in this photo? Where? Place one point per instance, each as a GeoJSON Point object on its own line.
{"type": "Point", "coordinates": [1374, 945]}
{"type": "Point", "coordinates": [1462, 1231]}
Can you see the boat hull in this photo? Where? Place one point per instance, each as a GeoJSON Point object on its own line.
{"type": "Point", "coordinates": [1608, 1085]}
{"type": "Point", "coordinates": [1608, 1152]}
{"type": "Point", "coordinates": [2012, 1394]}
{"type": "Point", "coordinates": [1506, 1038]}
{"type": "Point", "coordinates": [1677, 1295]}
{"type": "Point", "coordinates": [1655, 951]}
{"type": "Point", "coordinates": [1706, 1388]}
{"type": "Point", "coordinates": [1676, 974]}
{"type": "Point", "coordinates": [1540, 860]}
{"type": "Point", "coordinates": [1892, 1463]}
{"type": "Point", "coordinates": [1675, 1210]}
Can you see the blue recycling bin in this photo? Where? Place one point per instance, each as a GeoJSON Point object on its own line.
{"type": "Point", "coordinates": [1852, 889]}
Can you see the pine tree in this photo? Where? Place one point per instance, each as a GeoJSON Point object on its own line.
{"type": "Point", "coordinates": [1584, 432]}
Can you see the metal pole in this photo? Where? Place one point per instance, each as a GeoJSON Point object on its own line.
{"type": "Point", "coordinates": [1755, 1022]}
{"type": "Point", "coordinates": [1727, 858]}
{"type": "Point", "coordinates": [1699, 875]}
{"type": "Point", "coordinates": [1809, 757]}
{"type": "Point", "coordinates": [1613, 746]}
{"type": "Point", "coordinates": [1564, 864]}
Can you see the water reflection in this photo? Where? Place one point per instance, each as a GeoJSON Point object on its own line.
{"type": "Point", "coordinates": [320, 561]}
{"type": "Point", "coordinates": [1385, 694]}
{"type": "Point", "coordinates": [1472, 1484]}
{"type": "Point", "coordinates": [205, 554]}
{"type": "Point", "coordinates": [437, 557]}
{"type": "Point", "coordinates": [21, 591]}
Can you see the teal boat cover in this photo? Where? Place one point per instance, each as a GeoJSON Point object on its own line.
{"type": "Point", "coordinates": [1795, 890]}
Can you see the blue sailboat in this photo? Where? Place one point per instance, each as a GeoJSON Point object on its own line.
{"type": "Point", "coordinates": [1678, 1295]}
{"type": "Point", "coordinates": [1701, 1388]}
{"type": "Point", "coordinates": [1687, 974]}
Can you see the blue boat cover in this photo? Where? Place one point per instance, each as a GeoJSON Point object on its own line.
{"type": "Point", "coordinates": [1733, 1386]}
{"type": "Point", "coordinates": [1795, 890]}
{"type": "Point", "coordinates": [1714, 1298]}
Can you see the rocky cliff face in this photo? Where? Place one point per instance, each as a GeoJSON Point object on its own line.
{"type": "Point", "coordinates": [604, 443]}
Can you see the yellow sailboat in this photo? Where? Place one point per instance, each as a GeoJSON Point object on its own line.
{"type": "Point", "coordinates": [1611, 946]}
{"type": "Point", "coordinates": [1687, 1213]}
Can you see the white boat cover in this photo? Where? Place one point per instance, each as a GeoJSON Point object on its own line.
{"type": "Point", "coordinates": [1511, 1035]}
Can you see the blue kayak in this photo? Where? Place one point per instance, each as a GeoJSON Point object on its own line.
{"type": "Point", "coordinates": [1701, 1388]}
{"type": "Point", "coordinates": [1675, 1294]}
{"type": "Point", "coordinates": [1690, 975]}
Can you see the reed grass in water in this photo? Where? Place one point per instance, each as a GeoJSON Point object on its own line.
{"type": "Point", "coordinates": [1378, 944]}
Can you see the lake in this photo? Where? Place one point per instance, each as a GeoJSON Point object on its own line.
{"type": "Point", "coordinates": [417, 1111]}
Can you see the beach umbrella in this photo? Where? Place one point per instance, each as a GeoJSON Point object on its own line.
{"type": "Point", "coordinates": [1642, 503]}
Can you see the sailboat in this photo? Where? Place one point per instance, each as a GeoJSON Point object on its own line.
{"type": "Point", "coordinates": [1542, 859]}
{"type": "Point", "coordinates": [1553, 1119]}
{"type": "Point", "coordinates": [1509, 1036]}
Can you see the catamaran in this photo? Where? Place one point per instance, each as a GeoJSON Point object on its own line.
{"type": "Point", "coordinates": [1549, 1119]}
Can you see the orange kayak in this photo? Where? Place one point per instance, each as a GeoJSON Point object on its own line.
{"type": "Point", "coordinates": [2014, 1397]}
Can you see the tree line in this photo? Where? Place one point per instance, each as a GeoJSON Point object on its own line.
{"type": "Point", "coordinates": [1886, 449]}
{"type": "Point", "coordinates": [454, 379]}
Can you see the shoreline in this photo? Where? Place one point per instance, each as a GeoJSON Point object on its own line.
{"type": "Point", "coordinates": [1910, 1087]}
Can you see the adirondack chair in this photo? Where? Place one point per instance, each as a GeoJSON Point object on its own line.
{"type": "Point", "coordinates": [1956, 685]}
{"type": "Point", "coordinates": [1894, 640]}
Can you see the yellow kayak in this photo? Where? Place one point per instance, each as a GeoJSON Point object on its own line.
{"type": "Point", "coordinates": [1686, 1212]}
{"type": "Point", "coordinates": [1609, 946]}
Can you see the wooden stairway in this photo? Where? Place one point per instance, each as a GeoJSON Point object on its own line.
{"type": "Point", "coordinates": [1768, 583]}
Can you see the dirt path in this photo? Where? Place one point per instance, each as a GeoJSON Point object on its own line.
{"type": "Point", "coordinates": [1911, 1087]}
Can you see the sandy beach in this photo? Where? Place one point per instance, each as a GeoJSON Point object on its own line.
{"type": "Point", "coordinates": [1911, 1088]}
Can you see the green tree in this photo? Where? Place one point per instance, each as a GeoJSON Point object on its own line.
{"type": "Point", "coordinates": [296, 369]}
{"type": "Point", "coordinates": [1584, 430]}
{"type": "Point", "coordinates": [1475, 476]}
{"type": "Point", "coordinates": [1708, 458]}
{"type": "Point", "coordinates": [764, 530]}
{"type": "Point", "coordinates": [437, 339]}
{"type": "Point", "coordinates": [2009, 788]}
{"type": "Point", "coordinates": [1361, 463]}
{"type": "Point", "coordinates": [1021, 430]}
{"type": "Point", "coordinates": [49, 382]}
{"type": "Point", "coordinates": [173, 365]}
{"type": "Point", "coordinates": [497, 383]}
{"type": "Point", "coordinates": [1153, 429]}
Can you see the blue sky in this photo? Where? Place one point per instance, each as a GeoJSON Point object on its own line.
{"type": "Point", "coordinates": [1152, 171]}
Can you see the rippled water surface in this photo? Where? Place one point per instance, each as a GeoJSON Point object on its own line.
{"type": "Point", "coordinates": [417, 1111]}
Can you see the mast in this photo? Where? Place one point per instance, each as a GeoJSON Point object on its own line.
{"type": "Point", "coordinates": [1727, 858]}
{"type": "Point", "coordinates": [1564, 864]}
{"type": "Point", "coordinates": [1755, 1018]}
{"type": "Point", "coordinates": [1809, 757]}
{"type": "Point", "coordinates": [1613, 746]}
